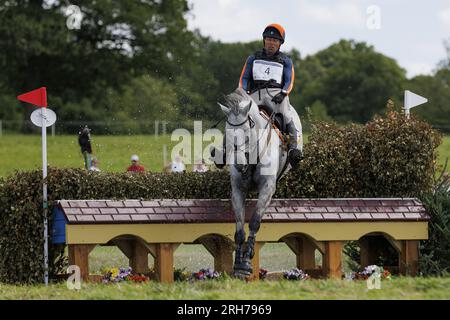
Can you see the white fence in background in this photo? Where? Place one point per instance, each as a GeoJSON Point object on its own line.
{"type": "Point", "coordinates": [155, 127]}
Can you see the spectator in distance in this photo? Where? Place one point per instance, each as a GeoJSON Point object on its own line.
{"type": "Point", "coordinates": [94, 166]}
{"type": "Point", "coordinates": [135, 166]}
{"type": "Point", "coordinates": [84, 140]}
{"type": "Point", "coordinates": [200, 166]}
{"type": "Point", "coordinates": [177, 165]}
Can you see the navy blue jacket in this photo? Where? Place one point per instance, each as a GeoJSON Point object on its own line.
{"type": "Point", "coordinates": [247, 82]}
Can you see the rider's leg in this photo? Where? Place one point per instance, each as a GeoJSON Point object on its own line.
{"type": "Point", "coordinates": [294, 153]}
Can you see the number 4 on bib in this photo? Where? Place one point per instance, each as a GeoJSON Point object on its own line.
{"type": "Point", "coordinates": [267, 70]}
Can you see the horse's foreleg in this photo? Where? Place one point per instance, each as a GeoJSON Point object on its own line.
{"type": "Point", "coordinates": [238, 202]}
{"type": "Point", "coordinates": [266, 190]}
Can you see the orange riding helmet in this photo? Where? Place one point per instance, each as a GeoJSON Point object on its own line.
{"type": "Point", "coordinates": [276, 31]}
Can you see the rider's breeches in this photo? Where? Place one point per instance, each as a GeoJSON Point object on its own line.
{"type": "Point", "coordinates": [264, 97]}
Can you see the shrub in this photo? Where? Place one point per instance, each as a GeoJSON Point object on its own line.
{"type": "Point", "coordinates": [435, 252]}
{"type": "Point", "coordinates": [388, 157]}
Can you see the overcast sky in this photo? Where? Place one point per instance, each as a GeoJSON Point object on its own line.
{"type": "Point", "coordinates": [412, 32]}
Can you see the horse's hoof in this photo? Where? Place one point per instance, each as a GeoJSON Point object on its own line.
{"type": "Point", "coordinates": [241, 274]}
{"type": "Point", "coordinates": [245, 267]}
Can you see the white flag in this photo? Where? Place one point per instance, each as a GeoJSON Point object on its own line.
{"type": "Point", "coordinates": [412, 100]}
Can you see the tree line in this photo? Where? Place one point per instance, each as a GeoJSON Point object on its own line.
{"type": "Point", "coordinates": [133, 62]}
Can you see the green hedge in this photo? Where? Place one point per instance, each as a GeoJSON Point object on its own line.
{"type": "Point", "coordinates": [391, 157]}
{"type": "Point", "coordinates": [435, 252]}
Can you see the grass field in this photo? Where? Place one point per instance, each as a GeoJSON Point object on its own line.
{"type": "Point", "coordinates": [23, 152]}
{"type": "Point", "coordinates": [402, 288]}
{"type": "Point", "coordinates": [274, 257]}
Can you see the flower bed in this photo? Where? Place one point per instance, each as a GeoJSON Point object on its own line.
{"type": "Point", "coordinates": [115, 275]}
{"type": "Point", "coordinates": [369, 271]}
{"type": "Point", "coordinates": [205, 274]}
{"type": "Point", "coordinates": [295, 274]}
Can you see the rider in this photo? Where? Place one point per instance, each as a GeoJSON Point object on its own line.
{"type": "Point", "coordinates": [268, 76]}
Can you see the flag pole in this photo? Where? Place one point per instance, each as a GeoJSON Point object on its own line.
{"type": "Point", "coordinates": [38, 98]}
{"type": "Point", "coordinates": [44, 191]}
{"type": "Point", "coordinates": [406, 105]}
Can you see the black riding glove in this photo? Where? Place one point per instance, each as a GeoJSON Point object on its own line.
{"type": "Point", "coordinates": [279, 97]}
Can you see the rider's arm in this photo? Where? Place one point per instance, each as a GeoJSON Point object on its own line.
{"type": "Point", "coordinates": [288, 75]}
{"type": "Point", "coordinates": [246, 73]}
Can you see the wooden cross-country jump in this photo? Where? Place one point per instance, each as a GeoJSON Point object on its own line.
{"type": "Point", "coordinates": [158, 227]}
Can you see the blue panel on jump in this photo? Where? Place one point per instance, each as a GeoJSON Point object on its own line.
{"type": "Point", "coordinates": [59, 226]}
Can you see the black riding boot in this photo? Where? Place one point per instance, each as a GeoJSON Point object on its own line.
{"type": "Point", "coordinates": [294, 154]}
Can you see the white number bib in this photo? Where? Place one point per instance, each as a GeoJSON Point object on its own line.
{"type": "Point", "coordinates": [267, 70]}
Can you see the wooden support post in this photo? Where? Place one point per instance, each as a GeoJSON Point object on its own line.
{"type": "Point", "coordinates": [137, 253]}
{"type": "Point", "coordinates": [139, 257]}
{"type": "Point", "coordinates": [304, 250]}
{"type": "Point", "coordinates": [255, 260]}
{"type": "Point", "coordinates": [409, 258]}
{"type": "Point", "coordinates": [164, 262]}
{"type": "Point", "coordinates": [223, 261]}
{"type": "Point", "coordinates": [367, 252]}
{"type": "Point", "coordinates": [333, 259]}
{"type": "Point", "coordinates": [221, 250]}
{"type": "Point", "coordinates": [79, 256]}
{"type": "Point", "coordinates": [307, 258]}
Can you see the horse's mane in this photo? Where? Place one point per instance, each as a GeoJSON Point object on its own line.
{"type": "Point", "coordinates": [234, 99]}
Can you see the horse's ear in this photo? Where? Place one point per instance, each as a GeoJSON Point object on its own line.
{"type": "Point", "coordinates": [248, 106]}
{"type": "Point", "coordinates": [224, 109]}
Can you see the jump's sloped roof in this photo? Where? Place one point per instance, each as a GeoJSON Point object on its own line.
{"type": "Point", "coordinates": [219, 211]}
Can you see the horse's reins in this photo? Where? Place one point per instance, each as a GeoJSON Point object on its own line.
{"type": "Point", "coordinates": [269, 135]}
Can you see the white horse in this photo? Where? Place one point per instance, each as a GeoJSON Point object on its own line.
{"type": "Point", "coordinates": [258, 158]}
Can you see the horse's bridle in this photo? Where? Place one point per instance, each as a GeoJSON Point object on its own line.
{"type": "Point", "coordinates": [244, 168]}
{"type": "Point", "coordinates": [249, 119]}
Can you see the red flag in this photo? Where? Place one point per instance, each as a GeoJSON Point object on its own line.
{"type": "Point", "coordinates": [37, 97]}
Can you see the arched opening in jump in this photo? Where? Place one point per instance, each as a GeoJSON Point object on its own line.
{"type": "Point", "coordinates": [210, 251]}
{"type": "Point", "coordinates": [127, 250]}
{"type": "Point", "coordinates": [307, 251]}
{"type": "Point", "coordinates": [276, 257]}
{"type": "Point", "coordinates": [375, 248]}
